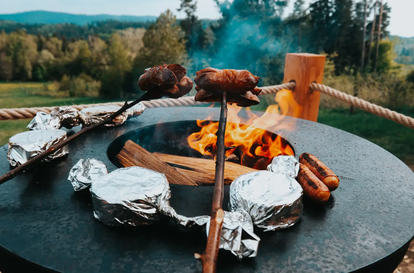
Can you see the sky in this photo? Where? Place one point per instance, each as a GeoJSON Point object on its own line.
{"type": "Point", "coordinates": [402, 20]}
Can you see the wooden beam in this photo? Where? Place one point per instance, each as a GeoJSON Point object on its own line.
{"type": "Point", "coordinates": [304, 69]}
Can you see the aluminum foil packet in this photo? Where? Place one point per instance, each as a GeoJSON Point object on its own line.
{"type": "Point", "coordinates": [284, 164]}
{"type": "Point", "coordinates": [67, 117]}
{"type": "Point", "coordinates": [96, 114]}
{"type": "Point", "coordinates": [131, 196]}
{"type": "Point", "coordinates": [26, 145]}
{"type": "Point", "coordinates": [85, 171]}
{"type": "Point", "coordinates": [42, 121]}
{"type": "Point", "coordinates": [273, 200]}
{"type": "Point", "coordinates": [237, 235]}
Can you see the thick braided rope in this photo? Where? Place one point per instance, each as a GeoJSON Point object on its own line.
{"type": "Point", "coordinates": [22, 113]}
{"type": "Point", "coordinates": [365, 105]}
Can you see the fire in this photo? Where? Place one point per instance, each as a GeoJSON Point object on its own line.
{"type": "Point", "coordinates": [249, 139]}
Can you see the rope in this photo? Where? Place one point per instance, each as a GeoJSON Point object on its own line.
{"type": "Point", "coordinates": [364, 105]}
{"type": "Point", "coordinates": [25, 113]}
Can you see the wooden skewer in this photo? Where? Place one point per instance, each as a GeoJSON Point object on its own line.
{"type": "Point", "coordinates": [199, 170]}
{"type": "Point", "coordinates": [210, 255]}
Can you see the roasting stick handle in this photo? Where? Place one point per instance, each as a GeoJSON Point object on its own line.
{"type": "Point", "coordinates": [209, 257]}
{"type": "Point", "coordinates": [37, 159]}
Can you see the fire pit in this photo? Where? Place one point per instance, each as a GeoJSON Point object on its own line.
{"type": "Point", "coordinates": [365, 227]}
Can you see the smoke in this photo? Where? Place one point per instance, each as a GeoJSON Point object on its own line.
{"type": "Point", "coordinates": [250, 35]}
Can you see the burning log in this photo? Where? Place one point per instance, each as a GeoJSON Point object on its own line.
{"type": "Point", "coordinates": [197, 170]}
{"type": "Point", "coordinates": [169, 81]}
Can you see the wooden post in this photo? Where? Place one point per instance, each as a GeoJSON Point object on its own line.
{"type": "Point", "coordinates": [304, 69]}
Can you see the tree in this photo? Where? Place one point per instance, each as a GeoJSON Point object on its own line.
{"type": "Point", "coordinates": [114, 81]}
{"type": "Point", "coordinates": [132, 40]}
{"type": "Point", "coordinates": [97, 48]}
{"type": "Point", "coordinates": [22, 51]}
{"type": "Point", "coordinates": [298, 10]}
{"type": "Point", "coordinates": [251, 35]}
{"type": "Point", "coordinates": [163, 43]}
{"type": "Point", "coordinates": [78, 58]}
{"type": "Point", "coordinates": [6, 67]}
{"type": "Point", "coordinates": [410, 77]}
{"type": "Point", "coordinates": [386, 55]}
{"type": "Point", "coordinates": [54, 46]}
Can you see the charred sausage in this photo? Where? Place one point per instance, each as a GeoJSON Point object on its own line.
{"type": "Point", "coordinates": [312, 186]}
{"type": "Point", "coordinates": [326, 175]}
{"type": "Point", "coordinates": [230, 80]}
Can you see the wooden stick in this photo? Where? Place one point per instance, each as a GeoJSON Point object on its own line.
{"type": "Point", "coordinates": [199, 170]}
{"type": "Point", "coordinates": [37, 159]}
{"type": "Point", "coordinates": [209, 257]}
{"type": "Point", "coordinates": [134, 155]}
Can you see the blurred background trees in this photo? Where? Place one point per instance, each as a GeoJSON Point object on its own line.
{"type": "Point", "coordinates": [106, 58]}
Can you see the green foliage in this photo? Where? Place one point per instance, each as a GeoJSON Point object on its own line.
{"type": "Point", "coordinates": [114, 78]}
{"type": "Point", "coordinates": [82, 86]}
{"type": "Point", "coordinates": [390, 90]}
{"type": "Point", "coordinates": [410, 77]}
{"type": "Point", "coordinates": [22, 51]}
{"type": "Point", "coordinates": [404, 47]}
{"type": "Point", "coordinates": [103, 28]}
{"type": "Point", "coordinates": [194, 34]}
{"type": "Point", "coordinates": [162, 43]}
{"type": "Point", "coordinates": [386, 55]}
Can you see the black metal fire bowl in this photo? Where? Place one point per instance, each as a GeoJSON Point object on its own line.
{"type": "Point", "coordinates": [366, 226]}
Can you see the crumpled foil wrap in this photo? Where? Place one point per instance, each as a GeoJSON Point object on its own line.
{"type": "Point", "coordinates": [273, 200]}
{"type": "Point", "coordinates": [237, 235]}
{"type": "Point", "coordinates": [284, 164]}
{"type": "Point", "coordinates": [134, 196]}
{"type": "Point", "coordinates": [42, 121]}
{"type": "Point", "coordinates": [26, 145]}
{"type": "Point", "coordinates": [96, 114]}
{"type": "Point", "coordinates": [85, 171]}
{"type": "Point", "coordinates": [67, 117]}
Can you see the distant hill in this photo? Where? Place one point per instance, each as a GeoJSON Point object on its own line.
{"type": "Point", "coordinates": [404, 47]}
{"type": "Point", "coordinates": [47, 17]}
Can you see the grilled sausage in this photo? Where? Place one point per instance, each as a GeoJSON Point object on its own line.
{"type": "Point", "coordinates": [230, 80]}
{"type": "Point", "coordinates": [326, 175]}
{"type": "Point", "coordinates": [312, 186]}
{"type": "Point", "coordinates": [166, 80]}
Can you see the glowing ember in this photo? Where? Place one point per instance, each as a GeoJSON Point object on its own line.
{"type": "Point", "coordinates": [252, 144]}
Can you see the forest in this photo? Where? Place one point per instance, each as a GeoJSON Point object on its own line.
{"type": "Point", "coordinates": [106, 58]}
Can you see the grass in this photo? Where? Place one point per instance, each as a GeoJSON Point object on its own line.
{"type": "Point", "coordinates": [16, 95]}
{"type": "Point", "coordinates": [395, 138]}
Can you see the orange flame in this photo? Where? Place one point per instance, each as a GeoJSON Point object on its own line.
{"type": "Point", "coordinates": [254, 145]}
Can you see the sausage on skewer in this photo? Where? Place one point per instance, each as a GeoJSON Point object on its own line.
{"type": "Point", "coordinates": [326, 175]}
{"type": "Point", "coordinates": [312, 186]}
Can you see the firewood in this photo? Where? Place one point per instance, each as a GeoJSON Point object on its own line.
{"type": "Point", "coordinates": [199, 170]}
{"type": "Point", "coordinates": [204, 168]}
{"type": "Point", "coordinates": [134, 155]}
